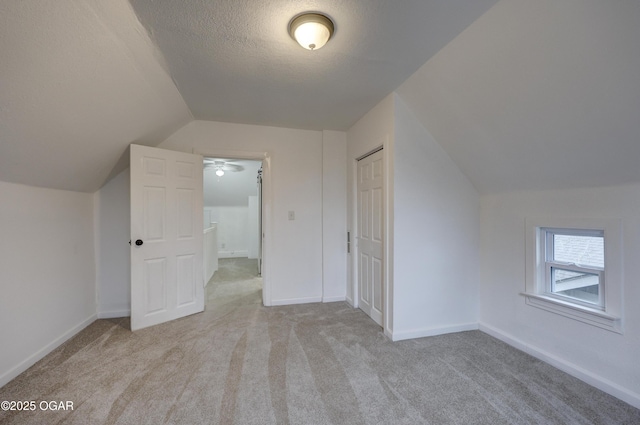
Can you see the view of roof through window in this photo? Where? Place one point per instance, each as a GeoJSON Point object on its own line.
{"type": "Point", "coordinates": [585, 251]}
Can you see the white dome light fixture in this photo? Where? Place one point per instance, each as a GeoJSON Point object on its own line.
{"type": "Point", "coordinates": [311, 30]}
{"type": "Point", "coordinates": [219, 172]}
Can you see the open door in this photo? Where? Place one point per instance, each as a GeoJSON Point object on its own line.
{"type": "Point", "coordinates": [166, 236]}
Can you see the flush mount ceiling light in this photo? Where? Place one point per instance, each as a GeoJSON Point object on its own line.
{"type": "Point", "coordinates": [311, 30]}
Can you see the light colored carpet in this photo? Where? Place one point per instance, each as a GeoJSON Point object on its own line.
{"type": "Point", "coordinates": [241, 363]}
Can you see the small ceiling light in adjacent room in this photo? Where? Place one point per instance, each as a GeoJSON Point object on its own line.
{"type": "Point", "coordinates": [311, 30]}
{"type": "Point", "coordinates": [219, 173]}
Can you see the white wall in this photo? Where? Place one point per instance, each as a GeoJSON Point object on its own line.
{"type": "Point", "coordinates": [253, 227]}
{"type": "Point", "coordinates": [603, 358]}
{"type": "Point", "coordinates": [436, 236]}
{"type": "Point", "coordinates": [334, 215]}
{"type": "Point", "coordinates": [210, 254]}
{"type": "Point", "coordinates": [113, 262]}
{"type": "Point", "coordinates": [294, 257]}
{"type": "Point", "coordinates": [47, 276]}
{"type": "Point", "coordinates": [233, 236]}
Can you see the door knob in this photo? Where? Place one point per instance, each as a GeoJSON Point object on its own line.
{"type": "Point", "coordinates": [139, 242]}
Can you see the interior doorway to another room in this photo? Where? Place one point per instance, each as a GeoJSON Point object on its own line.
{"type": "Point", "coordinates": [233, 228]}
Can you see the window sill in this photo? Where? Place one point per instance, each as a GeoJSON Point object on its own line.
{"type": "Point", "coordinates": [587, 315]}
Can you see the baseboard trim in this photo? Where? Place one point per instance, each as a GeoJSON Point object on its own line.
{"type": "Point", "coordinates": [350, 301]}
{"type": "Point", "coordinates": [421, 333]}
{"type": "Point", "coordinates": [233, 254]}
{"type": "Point", "coordinates": [114, 314]}
{"type": "Point", "coordinates": [38, 355]}
{"type": "Point", "coordinates": [574, 370]}
{"type": "Point", "coordinates": [333, 299]}
{"type": "Point", "coordinates": [290, 301]}
{"type": "Point", "coordinates": [388, 333]}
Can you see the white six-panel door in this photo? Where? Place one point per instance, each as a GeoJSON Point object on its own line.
{"type": "Point", "coordinates": [166, 236]}
{"type": "Point", "coordinates": [370, 235]}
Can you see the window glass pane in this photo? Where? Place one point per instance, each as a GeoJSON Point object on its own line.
{"type": "Point", "coordinates": [582, 250]}
{"type": "Point", "coordinates": [579, 285]}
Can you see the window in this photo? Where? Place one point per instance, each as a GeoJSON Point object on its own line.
{"type": "Point", "coordinates": [574, 268]}
{"type": "Point", "coordinates": [574, 265]}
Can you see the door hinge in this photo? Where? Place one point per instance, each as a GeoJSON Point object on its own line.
{"type": "Point", "coordinates": [348, 242]}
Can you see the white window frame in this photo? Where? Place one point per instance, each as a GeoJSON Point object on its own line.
{"type": "Point", "coordinates": [546, 237]}
{"type": "Point", "coordinates": [606, 315]}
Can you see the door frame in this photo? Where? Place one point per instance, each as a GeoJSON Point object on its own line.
{"type": "Point", "coordinates": [265, 158]}
{"type": "Point", "coordinates": [387, 249]}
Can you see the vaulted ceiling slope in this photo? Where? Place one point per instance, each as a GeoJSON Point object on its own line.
{"type": "Point", "coordinates": [538, 95]}
{"type": "Point", "coordinates": [234, 61]}
{"type": "Point", "coordinates": [529, 95]}
{"type": "Point", "coordinates": [79, 82]}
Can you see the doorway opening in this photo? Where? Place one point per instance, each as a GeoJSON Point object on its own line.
{"type": "Point", "coordinates": [232, 202]}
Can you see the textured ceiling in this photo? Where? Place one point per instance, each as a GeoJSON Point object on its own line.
{"type": "Point", "coordinates": [233, 60]}
{"type": "Point", "coordinates": [79, 82]}
{"type": "Point", "coordinates": [521, 94]}
{"type": "Point", "coordinates": [538, 95]}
